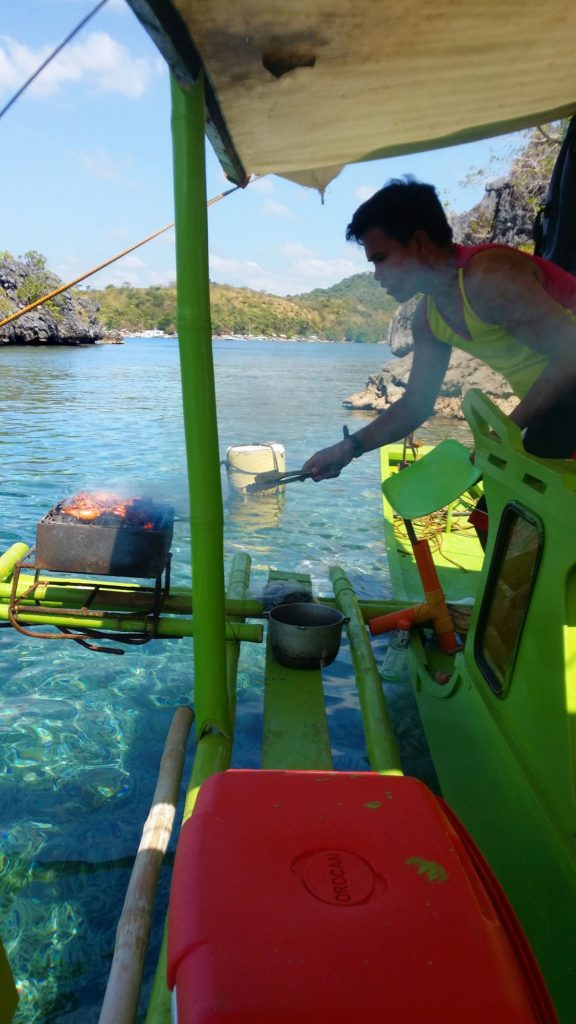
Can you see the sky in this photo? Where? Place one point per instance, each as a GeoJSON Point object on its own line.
{"type": "Point", "coordinates": [86, 169]}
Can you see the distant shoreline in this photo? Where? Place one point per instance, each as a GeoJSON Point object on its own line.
{"type": "Point", "coordinates": [249, 337]}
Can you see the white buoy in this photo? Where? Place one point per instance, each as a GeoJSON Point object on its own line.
{"type": "Point", "coordinates": [245, 461]}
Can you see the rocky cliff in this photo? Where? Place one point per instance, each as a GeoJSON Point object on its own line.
{"type": "Point", "coordinates": [464, 372]}
{"type": "Point", "coordinates": [68, 319]}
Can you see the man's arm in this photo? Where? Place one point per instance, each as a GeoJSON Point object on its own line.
{"type": "Point", "coordinates": [429, 365]}
{"type": "Point", "coordinates": [505, 288]}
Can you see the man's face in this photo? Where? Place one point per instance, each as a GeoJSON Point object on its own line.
{"type": "Point", "coordinates": [397, 268]}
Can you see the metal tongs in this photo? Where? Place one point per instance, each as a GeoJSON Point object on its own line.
{"type": "Point", "coordinates": [275, 478]}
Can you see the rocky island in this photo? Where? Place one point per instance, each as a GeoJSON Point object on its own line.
{"type": "Point", "coordinates": [68, 319]}
{"type": "Point", "coordinates": [464, 372]}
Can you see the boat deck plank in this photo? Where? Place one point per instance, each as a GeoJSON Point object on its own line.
{"type": "Point", "coordinates": [295, 733]}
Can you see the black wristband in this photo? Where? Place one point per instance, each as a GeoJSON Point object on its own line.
{"type": "Point", "coordinates": [358, 448]}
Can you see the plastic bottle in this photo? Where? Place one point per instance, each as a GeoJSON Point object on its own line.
{"type": "Point", "coordinates": [395, 660]}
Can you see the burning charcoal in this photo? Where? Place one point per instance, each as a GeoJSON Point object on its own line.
{"type": "Point", "coordinates": [106, 534]}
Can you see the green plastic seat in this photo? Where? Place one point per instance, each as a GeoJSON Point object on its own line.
{"type": "Point", "coordinates": [433, 481]}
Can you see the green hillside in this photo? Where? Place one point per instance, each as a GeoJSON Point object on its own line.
{"type": "Point", "coordinates": [356, 310]}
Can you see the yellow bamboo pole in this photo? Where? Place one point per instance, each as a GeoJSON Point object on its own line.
{"type": "Point", "coordinates": [123, 989]}
{"type": "Point", "coordinates": [125, 252]}
{"type": "Point", "coordinates": [82, 277]}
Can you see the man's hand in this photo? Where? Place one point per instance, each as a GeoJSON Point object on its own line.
{"type": "Point", "coordinates": [329, 462]}
{"type": "Point", "coordinates": [402, 417]}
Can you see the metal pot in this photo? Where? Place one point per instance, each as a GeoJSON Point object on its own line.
{"type": "Point", "coordinates": [305, 635]}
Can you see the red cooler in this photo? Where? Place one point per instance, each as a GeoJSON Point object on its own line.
{"type": "Point", "coordinates": [330, 898]}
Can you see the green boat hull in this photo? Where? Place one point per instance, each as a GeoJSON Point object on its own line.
{"type": "Point", "coordinates": [505, 760]}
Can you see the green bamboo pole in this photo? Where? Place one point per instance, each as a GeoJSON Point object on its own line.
{"type": "Point", "coordinates": [166, 628]}
{"type": "Point", "coordinates": [199, 406]}
{"type": "Point", "coordinates": [212, 755]}
{"type": "Point", "coordinates": [238, 583]}
{"type": "Point", "coordinates": [130, 597]}
{"type": "Point", "coordinates": [213, 716]}
{"type": "Point", "coordinates": [56, 596]}
{"type": "Point", "coordinates": [10, 558]}
{"type": "Point", "coordinates": [380, 740]}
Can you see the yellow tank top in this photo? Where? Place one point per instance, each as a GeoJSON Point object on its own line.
{"type": "Point", "coordinates": [491, 344]}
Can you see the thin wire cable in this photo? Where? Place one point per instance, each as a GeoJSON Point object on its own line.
{"type": "Point", "coordinates": [55, 53]}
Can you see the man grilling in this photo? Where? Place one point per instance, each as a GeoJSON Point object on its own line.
{"type": "Point", "coordinates": [514, 311]}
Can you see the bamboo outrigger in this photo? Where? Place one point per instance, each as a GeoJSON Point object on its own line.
{"type": "Point", "coordinates": [301, 90]}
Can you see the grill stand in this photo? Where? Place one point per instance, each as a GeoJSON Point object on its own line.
{"type": "Point", "coordinates": [158, 593]}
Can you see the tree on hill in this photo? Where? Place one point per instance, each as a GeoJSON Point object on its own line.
{"type": "Point", "coordinates": [508, 210]}
{"type": "Point", "coordinates": [353, 310]}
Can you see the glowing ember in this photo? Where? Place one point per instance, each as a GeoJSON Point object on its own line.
{"type": "Point", "coordinates": [89, 507]}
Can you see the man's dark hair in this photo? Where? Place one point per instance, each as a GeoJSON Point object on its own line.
{"type": "Point", "coordinates": [401, 208]}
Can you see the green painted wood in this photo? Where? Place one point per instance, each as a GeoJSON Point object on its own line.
{"type": "Point", "coordinates": [507, 766]}
{"type": "Point", "coordinates": [458, 555]}
{"type": "Point", "coordinates": [295, 727]}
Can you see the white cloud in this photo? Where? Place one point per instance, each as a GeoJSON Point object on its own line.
{"type": "Point", "coordinates": [315, 272]}
{"type": "Point", "coordinates": [120, 232]}
{"type": "Point", "coordinates": [101, 165]}
{"type": "Point", "coordinates": [303, 272]}
{"type": "Point", "coordinates": [263, 186]}
{"type": "Point", "coordinates": [364, 192]}
{"type": "Point", "coordinates": [299, 270]}
{"type": "Point", "coordinates": [272, 209]}
{"type": "Point", "coordinates": [98, 61]}
{"type": "Point", "coordinates": [129, 270]}
{"type": "Point", "coordinates": [118, 6]}
{"type": "Point", "coordinates": [295, 250]}
{"type": "Point", "coordinates": [240, 273]}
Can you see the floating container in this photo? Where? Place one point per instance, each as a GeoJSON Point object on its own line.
{"type": "Point", "coordinates": [245, 461]}
{"type": "Point", "coordinates": [350, 896]}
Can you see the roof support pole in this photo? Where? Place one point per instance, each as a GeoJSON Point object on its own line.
{"type": "Point", "coordinates": [199, 403]}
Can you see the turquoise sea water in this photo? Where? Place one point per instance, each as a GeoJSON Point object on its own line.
{"type": "Point", "coordinates": [82, 733]}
